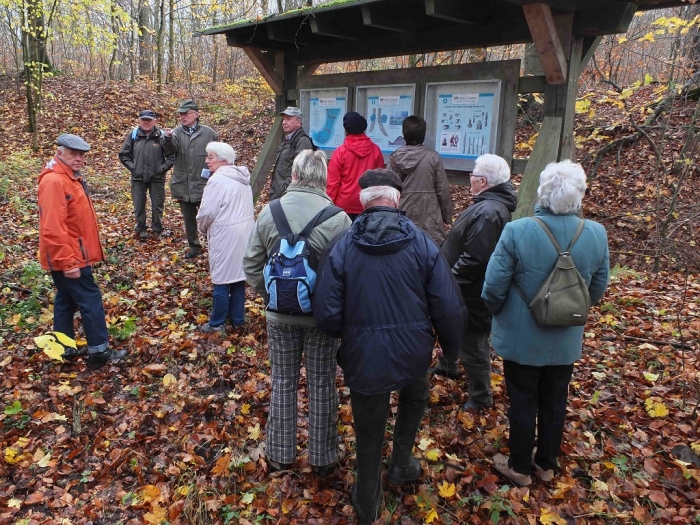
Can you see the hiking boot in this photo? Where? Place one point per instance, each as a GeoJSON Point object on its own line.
{"type": "Point", "coordinates": [500, 462]}
{"type": "Point", "coordinates": [402, 475]}
{"type": "Point", "coordinates": [192, 253]}
{"type": "Point", "coordinates": [100, 359]}
{"type": "Point", "coordinates": [74, 353]}
{"type": "Point", "coordinates": [475, 407]}
{"type": "Point", "coordinates": [446, 371]}
{"type": "Point", "coordinates": [209, 329]}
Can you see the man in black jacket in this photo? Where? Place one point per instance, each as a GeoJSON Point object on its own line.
{"type": "Point", "coordinates": [143, 155]}
{"type": "Point", "coordinates": [402, 292]}
{"type": "Point", "coordinates": [468, 248]}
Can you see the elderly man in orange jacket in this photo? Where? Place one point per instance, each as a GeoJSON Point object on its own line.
{"type": "Point", "coordinates": [69, 244]}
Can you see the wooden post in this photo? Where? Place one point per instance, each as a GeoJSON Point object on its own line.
{"type": "Point", "coordinates": [266, 159]}
{"type": "Point", "coordinates": [545, 151]}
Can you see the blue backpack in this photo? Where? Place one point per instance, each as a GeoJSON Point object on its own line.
{"type": "Point", "coordinates": [290, 271]}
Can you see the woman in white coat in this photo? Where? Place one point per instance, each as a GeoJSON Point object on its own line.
{"type": "Point", "coordinates": [226, 217]}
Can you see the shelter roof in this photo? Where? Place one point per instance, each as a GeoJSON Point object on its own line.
{"type": "Point", "coordinates": [361, 29]}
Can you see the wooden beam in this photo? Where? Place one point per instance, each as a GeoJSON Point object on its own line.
{"type": "Point", "coordinates": [372, 17]}
{"type": "Point", "coordinates": [448, 10]}
{"type": "Point", "coordinates": [266, 159]}
{"type": "Point", "coordinates": [266, 68]}
{"type": "Point", "coordinates": [589, 47]}
{"type": "Point", "coordinates": [612, 19]}
{"type": "Point", "coordinates": [567, 148]}
{"type": "Point", "coordinates": [285, 32]}
{"type": "Point", "coordinates": [545, 151]}
{"type": "Point", "coordinates": [535, 84]}
{"type": "Point", "coordinates": [325, 26]}
{"type": "Point", "coordinates": [544, 34]}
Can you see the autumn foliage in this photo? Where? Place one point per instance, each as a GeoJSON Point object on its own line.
{"type": "Point", "coordinates": [174, 433]}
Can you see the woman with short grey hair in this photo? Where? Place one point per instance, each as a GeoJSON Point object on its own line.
{"type": "Point", "coordinates": [310, 170]}
{"type": "Point", "coordinates": [538, 361]}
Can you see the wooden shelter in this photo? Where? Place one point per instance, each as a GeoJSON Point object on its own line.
{"type": "Point", "coordinates": [288, 48]}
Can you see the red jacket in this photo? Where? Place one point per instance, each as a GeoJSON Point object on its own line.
{"type": "Point", "coordinates": [68, 236]}
{"type": "Point", "coordinates": [355, 156]}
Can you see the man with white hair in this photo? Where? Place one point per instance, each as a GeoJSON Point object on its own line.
{"type": "Point", "coordinates": [385, 289]}
{"type": "Point", "coordinates": [468, 247]}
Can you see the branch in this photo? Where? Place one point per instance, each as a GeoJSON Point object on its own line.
{"type": "Point", "coordinates": [645, 340]}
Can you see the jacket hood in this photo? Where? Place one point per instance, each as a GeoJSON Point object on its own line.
{"type": "Point", "coordinates": [382, 230]}
{"type": "Point", "coordinates": [359, 145]}
{"type": "Point", "coordinates": [407, 158]}
{"type": "Point", "coordinates": [237, 173]}
{"type": "Point", "coordinates": [504, 193]}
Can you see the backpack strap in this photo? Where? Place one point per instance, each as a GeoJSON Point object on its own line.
{"type": "Point", "coordinates": [133, 134]}
{"type": "Point", "coordinates": [280, 218]}
{"type": "Point", "coordinates": [546, 229]}
{"type": "Point", "coordinates": [321, 217]}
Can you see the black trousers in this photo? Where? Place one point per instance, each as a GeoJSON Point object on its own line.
{"type": "Point", "coordinates": [538, 396]}
{"type": "Point", "coordinates": [189, 216]}
{"type": "Point", "coordinates": [370, 415]}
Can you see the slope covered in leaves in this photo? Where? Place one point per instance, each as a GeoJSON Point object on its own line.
{"type": "Point", "coordinates": [174, 433]}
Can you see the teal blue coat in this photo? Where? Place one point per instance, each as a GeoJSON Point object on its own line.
{"type": "Point", "coordinates": [524, 256]}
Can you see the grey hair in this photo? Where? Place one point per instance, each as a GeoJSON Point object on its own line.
{"type": "Point", "coordinates": [222, 151]}
{"type": "Point", "coordinates": [562, 186]}
{"type": "Point", "coordinates": [311, 169]}
{"type": "Point", "coordinates": [493, 168]}
{"type": "Point", "coordinates": [373, 193]}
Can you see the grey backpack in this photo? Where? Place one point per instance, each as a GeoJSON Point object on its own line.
{"type": "Point", "coordinates": [563, 298]}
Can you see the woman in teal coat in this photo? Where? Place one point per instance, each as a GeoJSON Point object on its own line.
{"type": "Point", "coordinates": [538, 361]}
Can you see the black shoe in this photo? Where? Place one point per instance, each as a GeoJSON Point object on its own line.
{"type": "Point", "coordinates": [402, 475]}
{"type": "Point", "coordinates": [192, 253]}
{"type": "Point", "coordinates": [325, 470]}
{"type": "Point", "coordinates": [276, 466]}
{"type": "Point", "coordinates": [98, 360]}
{"type": "Point", "coordinates": [439, 370]}
{"type": "Point", "coordinates": [74, 353]}
{"type": "Point", "coordinates": [476, 407]}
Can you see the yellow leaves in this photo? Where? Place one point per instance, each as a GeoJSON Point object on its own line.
{"type": "Point", "coordinates": [651, 377]}
{"type": "Point", "coordinates": [248, 498]}
{"type": "Point", "coordinates": [583, 105]}
{"type": "Point", "coordinates": [626, 93]}
{"type": "Point", "coordinates": [42, 460]}
{"type": "Point", "coordinates": [649, 37]}
{"type": "Point", "coordinates": [564, 485]}
{"type": "Point", "coordinates": [695, 447]}
{"type": "Point", "coordinates": [54, 344]}
{"type": "Point", "coordinates": [184, 292]}
{"type": "Point", "coordinates": [221, 466]}
{"type": "Point", "coordinates": [609, 319]}
{"type": "Point", "coordinates": [156, 516]}
{"type": "Point", "coordinates": [254, 432]}
{"type": "Point", "coordinates": [169, 380]}
{"type": "Point", "coordinates": [547, 517]}
{"type": "Point", "coordinates": [446, 490]}
{"type": "Point", "coordinates": [14, 503]}
{"type": "Point", "coordinates": [614, 102]}
{"type": "Point", "coordinates": [655, 407]}
{"type": "Point", "coordinates": [424, 443]}
{"type": "Point", "coordinates": [432, 516]}
{"type": "Point", "coordinates": [245, 409]}
{"type": "Point", "coordinates": [150, 493]}
{"type": "Point", "coordinates": [15, 453]}
{"type": "Point", "coordinates": [433, 454]}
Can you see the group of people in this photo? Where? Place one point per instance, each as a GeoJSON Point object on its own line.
{"type": "Point", "coordinates": [395, 276]}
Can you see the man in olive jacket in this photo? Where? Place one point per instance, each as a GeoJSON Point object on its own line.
{"type": "Point", "coordinates": [188, 142]}
{"type": "Point", "coordinates": [295, 141]}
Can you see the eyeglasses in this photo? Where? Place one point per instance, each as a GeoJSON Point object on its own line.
{"type": "Point", "coordinates": [477, 176]}
{"type": "Point", "coordinates": [212, 157]}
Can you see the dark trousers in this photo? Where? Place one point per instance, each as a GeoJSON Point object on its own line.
{"type": "Point", "coordinates": [189, 216]}
{"type": "Point", "coordinates": [370, 415]}
{"type": "Point", "coordinates": [84, 295]}
{"type": "Point", "coordinates": [156, 190]}
{"type": "Point", "coordinates": [538, 396]}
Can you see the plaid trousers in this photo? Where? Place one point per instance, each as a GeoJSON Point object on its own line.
{"type": "Point", "coordinates": [286, 343]}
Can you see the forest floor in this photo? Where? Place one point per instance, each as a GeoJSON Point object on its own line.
{"type": "Point", "coordinates": [173, 433]}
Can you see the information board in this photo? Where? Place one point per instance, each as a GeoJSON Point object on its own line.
{"type": "Point", "coordinates": [323, 111]}
{"type": "Point", "coordinates": [462, 120]}
{"type": "Point", "coordinates": [385, 107]}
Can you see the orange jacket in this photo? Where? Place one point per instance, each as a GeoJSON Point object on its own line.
{"type": "Point", "coordinates": [68, 236]}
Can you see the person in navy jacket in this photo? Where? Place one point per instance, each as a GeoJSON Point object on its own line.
{"type": "Point", "coordinates": [386, 290]}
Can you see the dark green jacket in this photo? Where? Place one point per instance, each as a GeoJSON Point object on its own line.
{"type": "Point", "coordinates": [289, 149]}
{"type": "Point", "coordinates": [187, 183]}
{"type": "Point", "coordinates": [145, 157]}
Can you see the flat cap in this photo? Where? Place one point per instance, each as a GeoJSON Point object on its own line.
{"type": "Point", "coordinates": [380, 177]}
{"type": "Point", "coordinates": [187, 105]}
{"type": "Point", "coordinates": [147, 114]}
{"type": "Point", "coordinates": [354, 123]}
{"type": "Point", "coordinates": [72, 142]}
{"type": "Point", "coordinates": [291, 111]}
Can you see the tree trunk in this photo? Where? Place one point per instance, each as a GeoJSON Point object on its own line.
{"type": "Point", "coordinates": [145, 31]}
{"type": "Point", "coordinates": [159, 45]}
{"type": "Point", "coordinates": [171, 42]}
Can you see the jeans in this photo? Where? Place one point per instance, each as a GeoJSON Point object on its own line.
{"type": "Point", "coordinates": [476, 358]}
{"type": "Point", "coordinates": [156, 190]}
{"type": "Point", "coordinates": [189, 217]}
{"type": "Point", "coordinates": [84, 295]}
{"type": "Point", "coordinates": [229, 302]}
{"type": "Point", "coordinates": [538, 396]}
{"type": "Point", "coordinates": [369, 414]}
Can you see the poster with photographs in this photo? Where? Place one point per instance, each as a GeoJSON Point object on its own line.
{"type": "Point", "coordinates": [385, 107]}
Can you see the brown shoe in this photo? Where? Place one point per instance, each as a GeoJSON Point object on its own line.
{"type": "Point", "coordinates": [545, 476]}
{"type": "Point", "coordinates": [500, 462]}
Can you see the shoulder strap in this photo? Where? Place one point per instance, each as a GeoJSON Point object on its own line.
{"type": "Point", "coordinates": [581, 224]}
{"type": "Point", "coordinates": [321, 217]}
{"type": "Point", "coordinates": [280, 218]}
{"type": "Point", "coordinates": [133, 133]}
{"type": "Point", "coordinates": [549, 234]}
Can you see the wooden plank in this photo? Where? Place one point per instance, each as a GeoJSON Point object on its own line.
{"type": "Point", "coordinates": [589, 47]}
{"type": "Point", "coordinates": [449, 10]}
{"type": "Point", "coordinates": [261, 61]}
{"type": "Point", "coordinates": [545, 151]}
{"type": "Point", "coordinates": [567, 149]}
{"type": "Point", "coordinates": [531, 85]}
{"type": "Point", "coordinates": [326, 26]}
{"type": "Point", "coordinates": [266, 159]}
{"type": "Point", "coordinates": [546, 39]}
{"type": "Point", "coordinates": [519, 165]}
{"type": "Point", "coordinates": [612, 19]}
{"type": "Point", "coordinates": [285, 32]}
{"type": "Point", "coordinates": [372, 17]}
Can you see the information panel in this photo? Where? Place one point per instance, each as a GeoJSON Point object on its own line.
{"type": "Point", "coordinates": [323, 111]}
{"type": "Point", "coordinates": [385, 107]}
{"type": "Point", "coordinates": [462, 120]}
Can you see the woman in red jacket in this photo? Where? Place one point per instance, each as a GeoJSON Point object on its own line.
{"type": "Point", "coordinates": [350, 160]}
